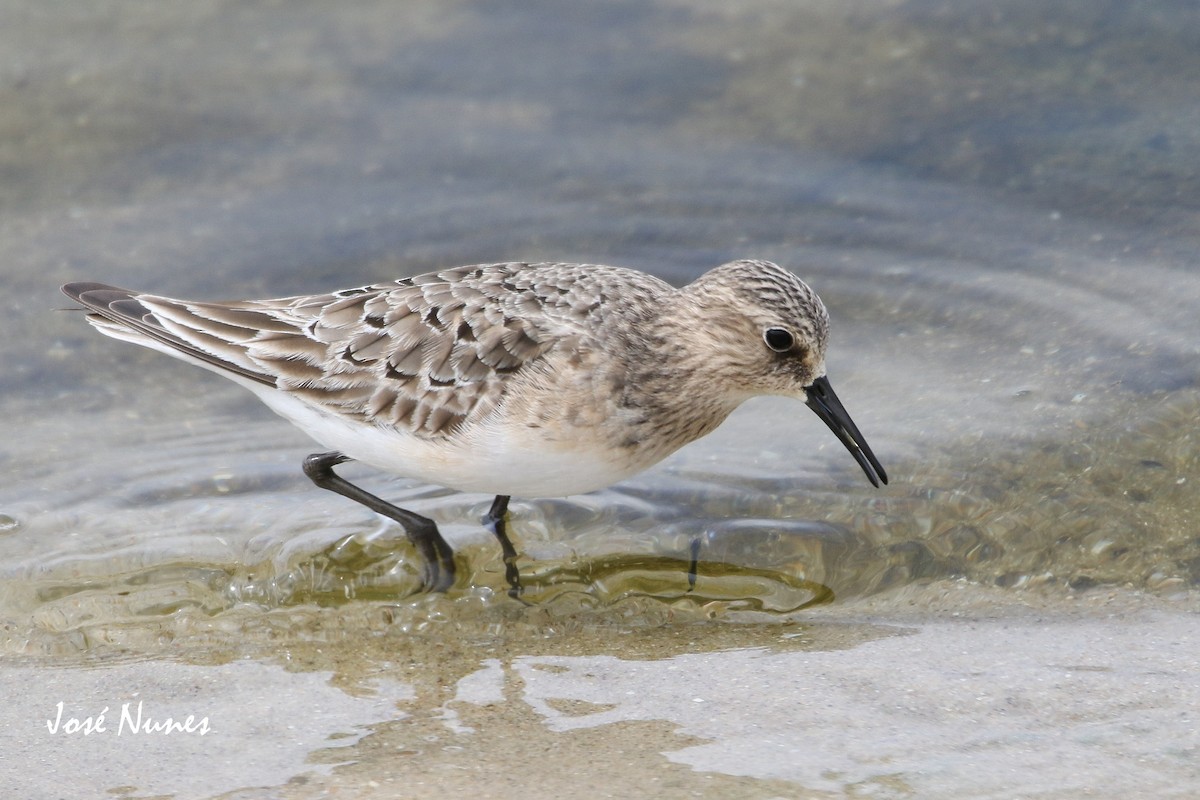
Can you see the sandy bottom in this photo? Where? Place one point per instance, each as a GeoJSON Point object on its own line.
{"type": "Point", "coordinates": [943, 691]}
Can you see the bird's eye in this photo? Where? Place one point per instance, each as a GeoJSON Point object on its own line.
{"type": "Point", "coordinates": [778, 339]}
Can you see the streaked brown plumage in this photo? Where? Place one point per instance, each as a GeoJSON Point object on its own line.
{"type": "Point", "coordinates": [529, 379]}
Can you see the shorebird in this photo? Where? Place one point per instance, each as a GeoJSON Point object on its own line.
{"type": "Point", "coordinates": [513, 379]}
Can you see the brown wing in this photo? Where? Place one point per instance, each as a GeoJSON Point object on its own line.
{"type": "Point", "coordinates": [424, 354]}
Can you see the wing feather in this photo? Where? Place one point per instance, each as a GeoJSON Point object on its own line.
{"type": "Point", "coordinates": [427, 354]}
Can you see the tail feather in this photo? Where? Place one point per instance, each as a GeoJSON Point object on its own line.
{"type": "Point", "coordinates": [123, 315]}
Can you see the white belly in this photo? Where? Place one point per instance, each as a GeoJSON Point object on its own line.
{"type": "Point", "coordinates": [490, 458]}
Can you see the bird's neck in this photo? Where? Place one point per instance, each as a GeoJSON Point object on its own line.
{"type": "Point", "coordinates": [673, 391]}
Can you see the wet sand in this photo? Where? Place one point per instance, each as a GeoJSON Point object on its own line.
{"type": "Point", "coordinates": [942, 691]}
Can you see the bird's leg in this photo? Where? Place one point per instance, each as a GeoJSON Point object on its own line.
{"type": "Point", "coordinates": [421, 531]}
{"type": "Point", "coordinates": [495, 521]}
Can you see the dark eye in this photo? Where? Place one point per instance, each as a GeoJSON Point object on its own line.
{"type": "Point", "coordinates": [778, 339]}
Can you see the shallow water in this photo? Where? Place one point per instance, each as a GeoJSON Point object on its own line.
{"type": "Point", "coordinates": [998, 205]}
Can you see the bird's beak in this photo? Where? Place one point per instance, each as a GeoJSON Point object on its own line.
{"type": "Point", "coordinates": [823, 402]}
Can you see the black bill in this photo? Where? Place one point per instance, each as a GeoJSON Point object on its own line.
{"type": "Point", "coordinates": [823, 402]}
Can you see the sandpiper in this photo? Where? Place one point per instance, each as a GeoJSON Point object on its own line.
{"type": "Point", "coordinates": [532, 380]}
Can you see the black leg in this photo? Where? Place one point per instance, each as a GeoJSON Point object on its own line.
{"type": "Point", "coordinates": [421, 531]}
{"type": "Point", "coordinates": [495, 522]}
